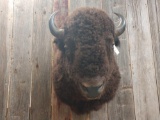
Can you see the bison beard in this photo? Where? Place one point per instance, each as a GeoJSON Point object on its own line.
{"type": "Point", "coordinates": [84, 53]}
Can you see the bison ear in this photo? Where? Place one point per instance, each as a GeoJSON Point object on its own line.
{"type": "Point", "coordinates": [117, 41]}
{"type": "Point", "coordinates": [59, 43]}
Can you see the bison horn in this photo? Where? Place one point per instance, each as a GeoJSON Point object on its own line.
{"type": "Point", "coordinates": [53, 29]}
{"type": "Point", "coordinates": [121, 28]}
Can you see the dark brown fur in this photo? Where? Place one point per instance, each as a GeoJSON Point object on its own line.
{"type": "Point", "coordinates": [86, 51]}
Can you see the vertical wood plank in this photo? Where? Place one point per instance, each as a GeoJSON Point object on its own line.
{"type": "Point", "coordinates": [122, 107]}
{"type": "Point", "coordinates": [21, 57]}
{"type": "Point", "coordinates": [80, 117]}
{"type": "Point", "coordinates": [123, 58]}
{"type": "Point", "coordinates": [4, 75]}
{"type": "Point", "coordinates": [3, 58]}
{"type": "Point", "coordinates": [116, 108]}
{"type": "Point", "coordinates": [101, 114]}
{"type": "Point", "coordinates": [154, 8]}
{"type": "Point", "coordinates": [73, 4]}
{"type": "Point", "coordinates": [94, 3]}
{"type": "Point", "coordinates": [142, 62]}
{"type": "Point", "coordinates": [107, 7]}
{"type": "Point", "coordinates": [62, 7]}
{"type": "Point", "coordinates": [9, 34]}
{"type": "Point", "coordinates": [41, 62]}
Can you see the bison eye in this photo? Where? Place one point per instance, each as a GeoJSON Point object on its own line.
{"type": "Point", "coordinates": [117, 42]}
{"type": "Point", "coordinates": [60, 44]}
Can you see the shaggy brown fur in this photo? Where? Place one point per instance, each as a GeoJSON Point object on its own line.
{"type": "Point", "coordinates": [85, 51]}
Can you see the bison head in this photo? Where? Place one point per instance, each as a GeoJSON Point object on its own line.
{"type": "Point", "coordinates": [85, 71]}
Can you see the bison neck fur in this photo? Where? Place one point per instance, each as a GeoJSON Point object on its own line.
{"type": "Point", "coordinates": [83, 53]}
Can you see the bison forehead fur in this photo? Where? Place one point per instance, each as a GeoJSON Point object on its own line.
{"type": "Point", "coordinates": [85, 54]}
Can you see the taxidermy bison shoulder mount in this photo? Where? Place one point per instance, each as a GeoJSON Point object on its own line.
{"type": "Point", "coordinates": [86, 74]}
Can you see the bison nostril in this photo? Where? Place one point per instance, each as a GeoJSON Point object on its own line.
{"type": "Point", "coordinates": [84, 88]}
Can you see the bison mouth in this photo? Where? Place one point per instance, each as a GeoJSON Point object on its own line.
{"type": "Point", "coordinates": [92, 93]}
{"type": "Point", "coordinates": [93, 89]}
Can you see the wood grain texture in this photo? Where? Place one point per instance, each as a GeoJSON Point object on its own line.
{"type": "Point", "coordinates": [41, 62]}
{"type": "Point", "coordinates": [21, 56]}
{"type": "Point", "coordinates": [101, 114]}
{"type": "Point", "coordinates": [94, 3]}
{"type": "Point", "coordinates": [122, 107]}
{"type": "Point", "coordinates": [143, 71]}
{"type": "Point", "coordinates": [74, 4]}
{"type": "Point", "coordinates": [154, 17]}
{"type": "Point", "coordinates": [9, 27]}
{"type": "Point", "coordinates": [3, 57]}
{"type": "Point", "coordinates": [80, 117]}
{"type": "Point", "coordinates": [62, 7]}
{"type": "Point", "coordinates": [107, 7]}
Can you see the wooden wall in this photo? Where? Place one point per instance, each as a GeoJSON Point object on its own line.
{"type": "Point", "coordinates": [26, 57]}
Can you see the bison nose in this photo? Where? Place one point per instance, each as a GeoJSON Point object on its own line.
{"type": "Point", "coordinates": [93, 91]}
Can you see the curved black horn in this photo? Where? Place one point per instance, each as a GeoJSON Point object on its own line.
{"type": "Point", "coordinates": [53, 29]}
{"type": "Point", "coordinates": [121, 27]}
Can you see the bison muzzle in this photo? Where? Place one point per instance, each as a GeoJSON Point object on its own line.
{"type": "Point", "coordinates": [85, 73]}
